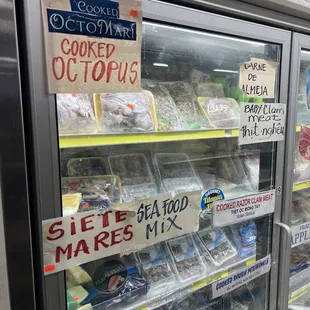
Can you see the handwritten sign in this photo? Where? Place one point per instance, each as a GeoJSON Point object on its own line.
{"type": "Point", "coordinates": [92, 46]}
{"type": "Point", "coordinates": [73, 240]}
{"type": "Point", "coordinates": [257, 78]}
{"type": "Point", "coordinates": [241, 277]}
{"type": "Point", "coordinates": [300, 234]}
{"type": "Point", "coordinates": [261, 122]}
{"type": "Point", "coordinates": [233, 211]}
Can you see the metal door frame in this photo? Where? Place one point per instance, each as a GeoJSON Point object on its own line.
{"type": "Point", "coordinates": [299, 43]}
{"type": "Point", "coordinates": [42, 113]}
{"type": "Point", "coordinates": [17, 289]}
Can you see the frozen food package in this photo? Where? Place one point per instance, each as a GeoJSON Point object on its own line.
{"type": "Point", "coordinates": [71, 304]}
{"type": "Point", "coordinates": [154, 265]}
{"type": "Point", "coordinates": [304, 142]}
{"type": "Point", "coordinates": [177, 173]}
{"type": "Point", "coordinates": [168, 116]}
{"type": "Point", "coordinates": [137, 180]}
{"type": "Point", "coordinates": [75, 113]}
{"type": "Point", "coordinates": [70, 204]}
{"type": "Point", "coordinates": [114, 280]}
{"type": "Point", "coordinates": [88, 166]}
{"type": "Point", "coordinates": [204, 253]}
{"type": "Point", "coordinates": [185, 257]}
{"type": "Point", "coordinates": [186, 102]}
{"type": "Point", "coordinates": [126, 112]}
{"type": "Point", "coordinates": [221, 112]}
{"type": "Point", "coordinates": [252, 168]}
{"type": "Point", "coordinates": [97, 192]}
{"type": "Point", "coordinates": [244, 238]}
{"type": "Point", "coordinates": [78, 293]}
{"type": "Point", "coordinates": [219, 247]}
{"type": "Point", "coordinates": [77, 276]}
{"type": "Point", "coordinates": [210, 90]}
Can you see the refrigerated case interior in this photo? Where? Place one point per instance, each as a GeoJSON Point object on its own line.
{"type": "Point", "coordinates": [190, 80]}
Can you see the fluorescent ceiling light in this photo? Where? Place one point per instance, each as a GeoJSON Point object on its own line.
{"type": "Point", "coordinates": [227, 71]}
{"type": "Point", "coordinates": [206, 34]}
{"type": "Point", "coordinates": [305, 52]}
{"type": "Point", "coordinates": [160, 64]}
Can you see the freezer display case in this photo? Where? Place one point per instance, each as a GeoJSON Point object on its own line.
{"type": "Point", "coordinates": [179, 135]}
{"type": "Point", "coordinates": [299, 212]}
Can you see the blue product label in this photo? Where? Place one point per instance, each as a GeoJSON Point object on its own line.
{"type": "Point", "coordinates": [212, 239]}
{"type": "Point", "coordinates": [182, 249]}
{"type": "Point", "coordinates": [89, 205]}
{"type": "Point", "coordinates": [90, 25]}
{"type": "Point", "coordinates": [104, 8]}
{"type": "Point", "coordinates": [210, 196]}
{"type": "Point", "coordinates": [152, 256]}
{"type": "Point", "coordinates": [248, 234]}
{"type": "Point", "coordinates": [110, 276]}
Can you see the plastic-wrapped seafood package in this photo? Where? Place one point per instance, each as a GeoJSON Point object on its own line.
{"type": "Point", "coordinates": [137, 180]}
{"type": "Point", "coordinates": [177, 173]}
{"type": "Point", "coordinates": [187, 262]}
{"type": "Point", "coordinates": [252, 168]}
{"type": "Point", "coordinates": [114, 280]}
{"type": "Point", "coordinates": [244, 238]}
{"type": "Point", "coordinates": [154, 265]}
{"type": "Point", "coordinates": [168, 116]}
{"type": "Point", "coordinates": [126, 112]}
{"type": "Point", "coordinates": [186, 102]}
{"type": "Point", "coordinates": [219, 247]}
{"type": "Point", "coordinates": [97, 192]}
{"type": "Point", "coordinates": [210, 90]}
{"type": "Point", "coordinates": [75, 113]}
{"type": "Point", "coordinates": [87, 166]}
{"type": "Point", "coordinates": [221, 112]}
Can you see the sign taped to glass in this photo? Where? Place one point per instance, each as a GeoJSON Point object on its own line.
{"type": "Point", "coordinates": [92, 46]}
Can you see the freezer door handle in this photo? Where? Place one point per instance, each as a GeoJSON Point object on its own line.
{"type": "Point", "coordinates": [287, 229]}
{"type": "Point", "coordinates": [284, 267]}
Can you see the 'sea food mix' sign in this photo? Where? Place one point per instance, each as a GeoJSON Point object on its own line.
{"type": "Point", "coordinates": [92, 45]}
{"type": "Point", "coordinates": [73, 240]}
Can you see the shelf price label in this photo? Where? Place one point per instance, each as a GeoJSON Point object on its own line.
{"type": "Point", "coordinates": [92, 46]}
{"type": "Point", "coordinates": [228, 212]}
{"type": "Point", "coordinates": [300, 234]}
{"type": "Point", "coordinates": [241, 277]}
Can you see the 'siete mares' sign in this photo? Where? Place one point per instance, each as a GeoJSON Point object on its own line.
{"type": "Point", "coordinates": [69, 241]}
{"type": "Point", "coordinates": [92, 46]}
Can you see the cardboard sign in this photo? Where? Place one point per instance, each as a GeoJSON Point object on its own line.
{"type": "Point", "coordinates": [70, 241]}
{"type": "Point", "coordinates": [300, 234]}
{"type": "Point", "coordinates": [92, 46]}
{"type": "Point", "coordinates": [228, 212]}
{"type": "Point", "coordinates": [241, 277]}
{"type": "Point", "coordinates": [257, 78]}
{"type": "Point", "coordinates": [262, 122]}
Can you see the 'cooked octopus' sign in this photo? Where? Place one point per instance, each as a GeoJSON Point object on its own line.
{"type": "Point", "coordinates": [92, 46]}
{"type": "Point", "coordinates": [87, 236]}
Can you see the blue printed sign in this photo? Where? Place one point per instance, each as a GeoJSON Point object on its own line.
{"type": "Point", "coordinates": [90, 25]}
{"type": "Point", "coordinates": [104, 8]}
{"type": "Point", "coordinates": [210, 196]}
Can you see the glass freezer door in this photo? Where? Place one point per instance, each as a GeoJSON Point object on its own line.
{"type": "Point", "coordinates": [178, 136]}
{"type": "Point", "coordinates": [299, 297]}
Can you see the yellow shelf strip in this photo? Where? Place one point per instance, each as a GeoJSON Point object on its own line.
{"type": "Point", "coordinates": [299, 293]}
{"type": "Point", "coordinates": [108, 139]}
{"type": "Point", "coordinates": [301, 186]}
